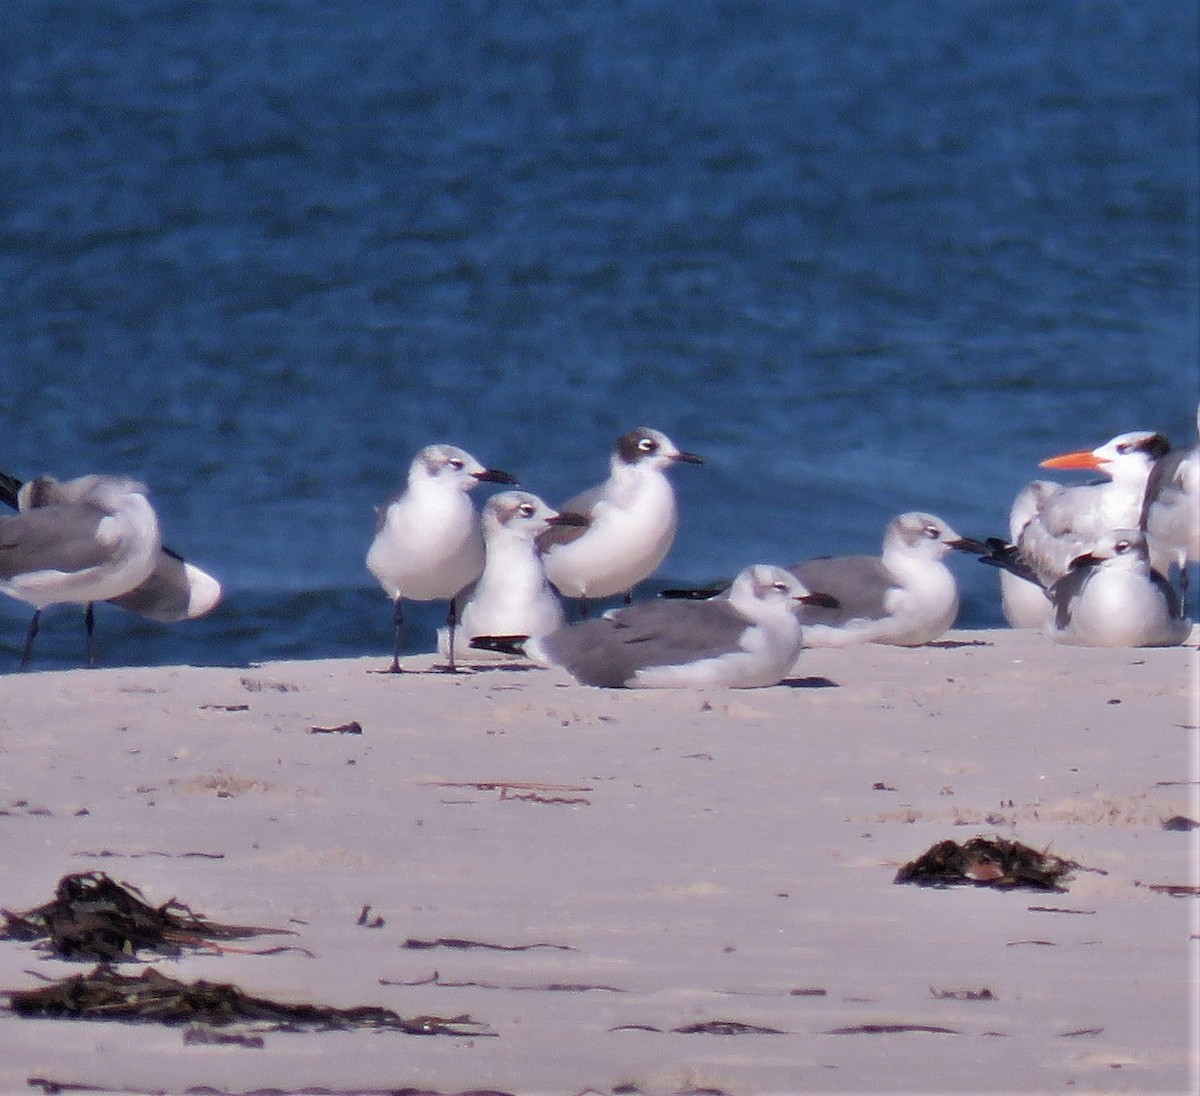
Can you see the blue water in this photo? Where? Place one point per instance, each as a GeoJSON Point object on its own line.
{"type": "Point", "coordinates": [864, 256]}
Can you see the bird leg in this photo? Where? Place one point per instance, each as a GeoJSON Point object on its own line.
{"type": "Point", "coordinates": [451, 625]}
{"type": "Point", "coordinates": [27, 654]}
{"type": "Point", "coordinates": [398, 621]}
{"type": "Point", "coordinates": [89, 626]}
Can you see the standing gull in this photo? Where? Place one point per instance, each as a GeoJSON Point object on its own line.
{"type": "Point", "coordinates": [907, 596]}
{"type": "Point", "coordinates": [632, 519]}
{"type": "Point", "coordinates": [428, 545]}
{"type": "Point", "coordinates": [176, 589]}
{"type": "Point", "coordinates": [1111, 597]}
{"type": "Point", "coordinates": [746, 640]}
{"type": "Point", "coordinates": [1061, 523]}
{"type": "Point", "coordinates": [101, 544]}
{"type": "Point", "coordinates": [512, 596]}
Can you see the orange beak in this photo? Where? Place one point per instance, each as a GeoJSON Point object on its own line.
{"type": "Point", "coordinates": [1082, 459]}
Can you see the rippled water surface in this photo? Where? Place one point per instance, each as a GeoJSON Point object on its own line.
{"type": "Point", "coordinates": [863, 256]}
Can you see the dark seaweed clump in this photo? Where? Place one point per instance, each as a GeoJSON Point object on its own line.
{"type": "Point", "coordinates": [92, 918]}
{"type": "Point", "coordinates": [151, 997]}
{"type": "Point", "coordinates": [987, 862]}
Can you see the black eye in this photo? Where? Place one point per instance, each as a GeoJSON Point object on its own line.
{"type": "Point", "coordinates": [1122, 546]}
{"type": "Point", "coordinates": [932, 532]}
{"type": "Point", "coordinates": [525, 510]}
{"type": "Point", "coordinates": [1124, 447]}
{"type": "Point", "coordinates": [782, 587]}
{"type": "Point", "coordinates": [647, 445]}
{"type": "Point", "coordinates": [456, 464]}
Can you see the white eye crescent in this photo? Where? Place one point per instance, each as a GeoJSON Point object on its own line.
{"type": "Point", "coordinates": [647, 445]}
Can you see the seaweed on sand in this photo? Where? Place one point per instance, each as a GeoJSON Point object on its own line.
{"type": "Point", "coordinates": [987, 862]}
{"type": "Point", "coordinates": [151, 997]}
{"type": "Point", "coordinates": [93, 918]}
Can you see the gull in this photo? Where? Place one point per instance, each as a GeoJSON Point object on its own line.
{"type": "Point", "coordinates": [176, 589]}
{"type": "Point", "coordinates": [428, 545]}
{"type": "Point", "coordinates": [101, 543]}
{"type": "Point", "coordinates": [906, 597]}
{"type": "Point", "coordinates": [746, 640]}
{"type": "Point", "coordinates": [1112, 597]}
{"type": "Point", "coordinates": [1052, 524]}
{"type": "Point", "coordinates": [631, 524]}
{"type": "Point", "coordinates": [513, 595]}
{"type": "Point", "coordinates": [1171, 508]}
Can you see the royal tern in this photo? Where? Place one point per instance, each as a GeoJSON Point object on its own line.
{"type": "Point", "coordinates": [1171, 509]}
{"type": "Point", "coordinates": [1062, 523]}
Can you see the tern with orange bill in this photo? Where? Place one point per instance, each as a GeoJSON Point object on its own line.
{"type": "Point", "coordinates": [1057, 524]}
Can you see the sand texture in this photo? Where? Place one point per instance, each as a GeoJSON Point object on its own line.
{"type": "Point", "coordinates": [681, 890]}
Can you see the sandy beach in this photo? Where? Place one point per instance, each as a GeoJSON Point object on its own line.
{"type": "Point", "coordinates": [680, 891]}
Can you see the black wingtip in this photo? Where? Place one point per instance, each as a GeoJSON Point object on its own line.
{"type": "Point", "coordinates": [505, 645]}
{"type": "Point", "coordinates": [695, 593]}
{"type": "Point", "coordinates": [1005, 556]}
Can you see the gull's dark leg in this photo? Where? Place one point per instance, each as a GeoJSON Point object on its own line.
{"type": "Point", "coordinates": [27, 654]}
{"type": "Point", "coordinates": [583, 608]}
{"type": "Point", "coordinates": [398, 623]}
{"type": "Point", "coordinates": [451, 625]}
{"type": "Point", "coordinates": [89, 626]}
{"type": "Point", "coordinates": [1183, 588]}
{"type": "Point", "coordinates": [629, 597]}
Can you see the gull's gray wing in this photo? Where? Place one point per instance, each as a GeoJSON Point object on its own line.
{"type": "Point", "coordinates": [609, 650]}
{"type": "Point", "coordinates": [860, 584]}
{"type": "Point", "coordinates": [57, 538]}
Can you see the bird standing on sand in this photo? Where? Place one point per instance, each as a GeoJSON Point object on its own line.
{"type": "Point", "coordinates": [906, 597]}
{"type": "Point", "coordinates": [749, 639]}
{"type": "Point", "coordinates": [93, 539]}
{"type": "Point", "coordinates": [632, 518]}
{"type": "Point", "coordinates": [1112, 597]}
{"type": "Point", "coordinates": [176, 589]}
{"type": "Point", "coordinates": [428, 545]}
{"type": "Point", "coordinates": [513, 596]}
{"type": "Point", "coordinates": [1061, 523]}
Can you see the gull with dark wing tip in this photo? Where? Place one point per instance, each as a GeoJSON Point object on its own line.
{"type": "Point", "coordinates": [1052, 524]}
{"type": "Point", "coordinates": [747, 639]}
{"type": "Point", "coordinates": [631, 522]}
{"type": "Point", "coordinates": [101, 543]}
{"type": "Point", "coordinates": [512, 596]}
{"type": "Point", "coordinates": [428, 545]}
{"type": "Point", "coordinates": [906, 597]}
{"type": "Point", "coordinates": [176, 589]}
{"type": "Point", "coordinates": [1112, 597]}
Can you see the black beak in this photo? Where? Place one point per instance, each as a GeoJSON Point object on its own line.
{"type": "Point", "coordinates": [1086, 560]}
{"type": "Point", "coordinates": [688, 458]}
{"type": "Point", "coordinates": [967, 544]}
{"type": "Point", "coordinates": [825, 601]}
{"type": "Point", "coordinates": [494, 475]}
{"type": "Point", "coordinates": [568, 518]}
